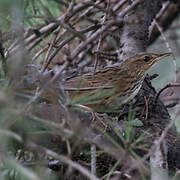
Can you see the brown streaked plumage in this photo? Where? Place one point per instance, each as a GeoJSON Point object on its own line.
{"type": "Point", "coordinates": [108, 88]}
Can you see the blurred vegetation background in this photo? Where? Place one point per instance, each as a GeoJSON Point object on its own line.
{"type": "Point", "coordinates": [35, 140]}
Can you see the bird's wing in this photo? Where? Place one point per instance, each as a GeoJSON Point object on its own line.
{"type": "Point", "coordinates": [100, 79]}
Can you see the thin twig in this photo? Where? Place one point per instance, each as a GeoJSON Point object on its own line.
{"type": "Point", "coordinates": [100, 38]}
{"type": "Point", "coordinates": [168, 46]}
{"type": "Point", "coordinates": [69, 11]}
{"type": "Point", "coordinates": [46, 62]}
{"type": "Point", "coordinates": [93, 159]}
{"type": "Point", "coordinates": [129, 8]}
{"type": "Point", "coordinates": [104, 28]}
{"type": "Point", "coordinates": [72, 30]}
{"type": "Point", "coordinates": [47, 28]}
{"type": "Point", "coordinates": [85, 13]}
{"type": "Point", "coordinates": [119, 4]}
{"type": "Point", "coordinates": [93, 37]}
{"type": "Point", "coordinates": [47, 45]}
{"type": "Point", "coordinates": [45, 48]}
{"type": "Point", "coordinates": [167, 86]}
{"type": "Point", "coordinates": [68, 39]}
{"type": "Point", "coordinates": [158, 16]}
{"type": "Point", "coordinates": [146, 107]}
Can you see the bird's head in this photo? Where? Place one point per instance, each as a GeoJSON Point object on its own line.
{"type": "Point", "coordinates": [141, 63]}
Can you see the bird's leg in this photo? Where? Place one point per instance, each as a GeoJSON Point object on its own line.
{"type": "Point", "coordinates": [99, 117]}
{"type": "Point", "coordinates": [145, 108]}
{"type": "Point", "coordinates": [95, 115]}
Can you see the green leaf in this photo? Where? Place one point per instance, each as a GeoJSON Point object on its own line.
{"type": "Point", "coordinates": [177, 124]}
{"type": "Point", "coordinates": [136, 122]}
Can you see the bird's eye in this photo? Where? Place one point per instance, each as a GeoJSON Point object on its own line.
{"type": "Point", "coordinates": [146, 58]}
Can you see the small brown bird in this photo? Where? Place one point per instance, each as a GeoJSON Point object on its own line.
{"type": "Point", "coordinates": [111, 87]}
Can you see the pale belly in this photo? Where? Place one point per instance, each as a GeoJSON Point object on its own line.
{"type": "Point", "coordinates": [119, 100]}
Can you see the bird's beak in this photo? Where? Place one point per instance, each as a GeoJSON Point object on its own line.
{"type": "Point", "coordinates": [164, 55]}
{"type": "Point", "coordinates": [161, 56]}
